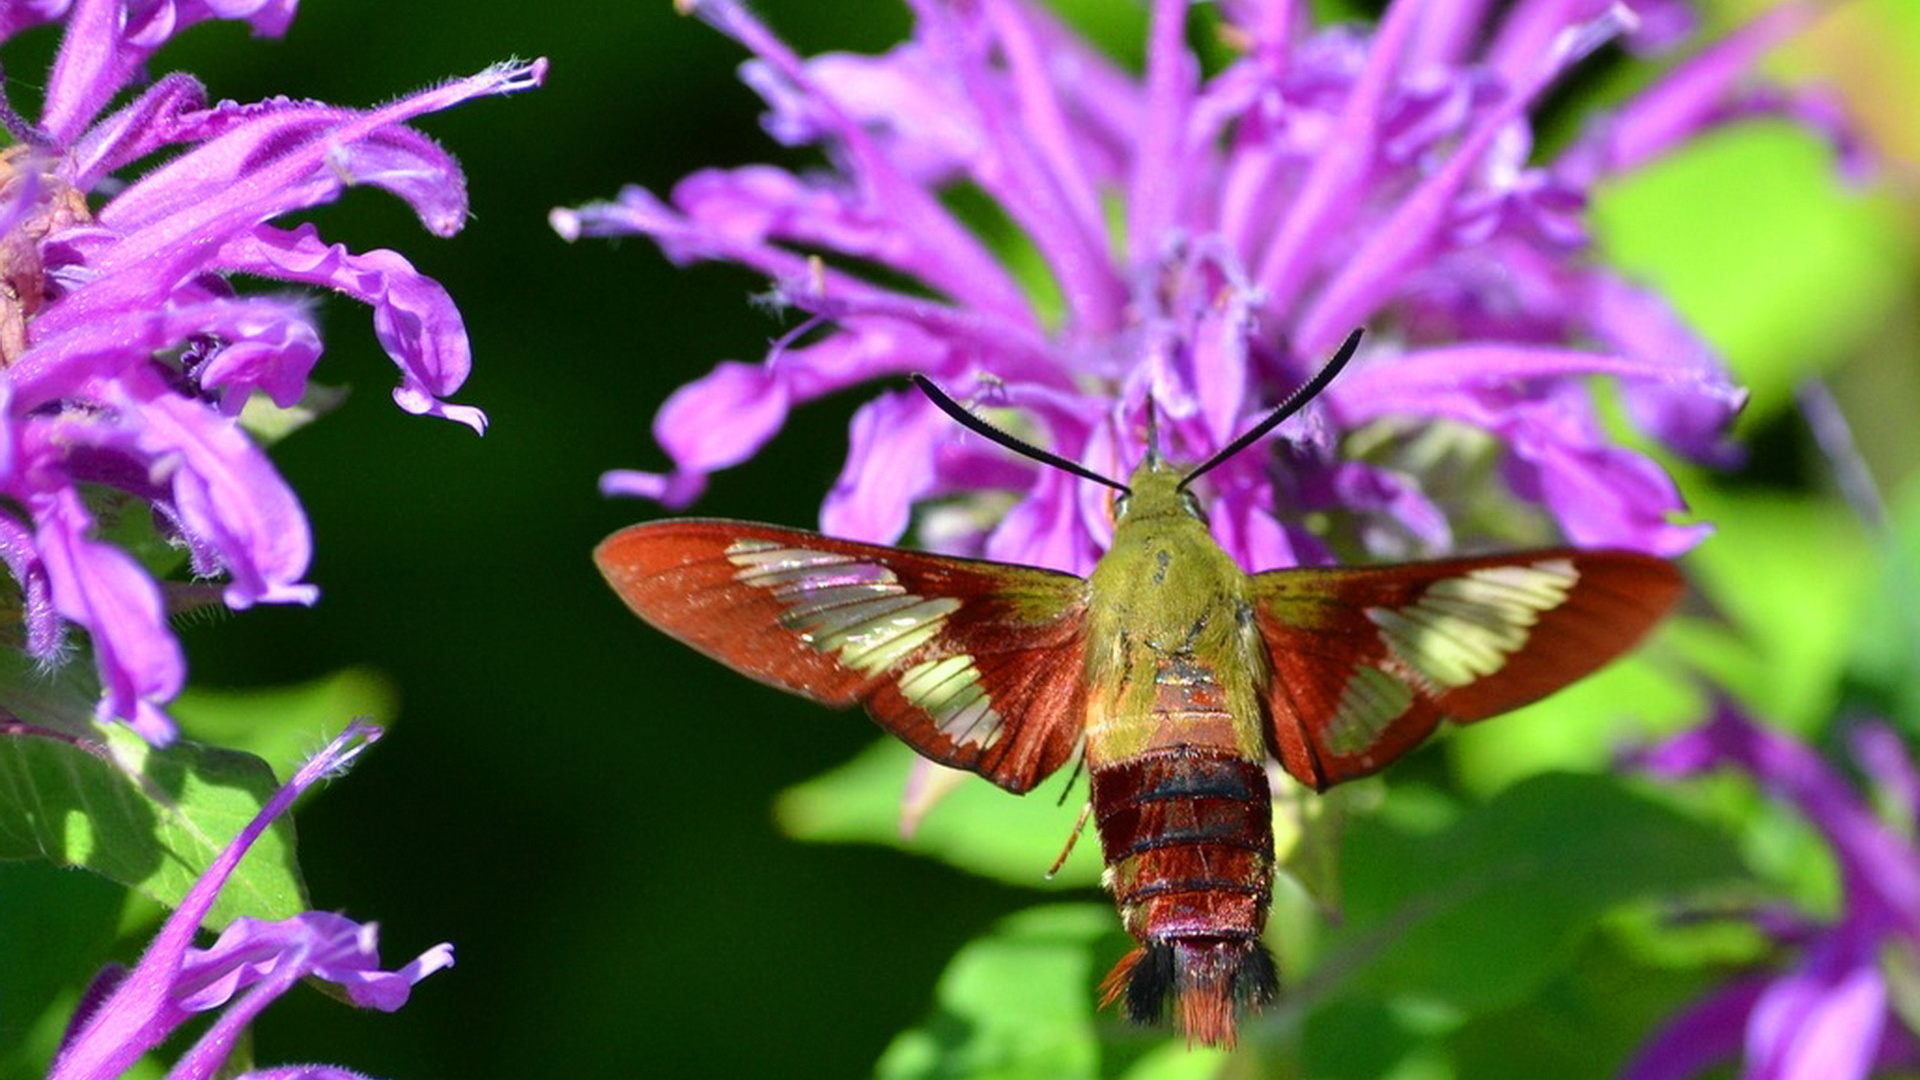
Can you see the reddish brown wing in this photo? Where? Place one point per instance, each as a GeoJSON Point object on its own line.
{"type": "Point", "coordinates": [1365, 662]}
{"type": "Point", "coordinates": [974, 664]}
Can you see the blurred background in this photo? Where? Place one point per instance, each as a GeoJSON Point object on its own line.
{"type": "Point", "coordinates": [586, 809]}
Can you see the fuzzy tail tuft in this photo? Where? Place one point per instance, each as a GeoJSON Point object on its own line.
{"type": "Point", "coordinates": [1207, 981]}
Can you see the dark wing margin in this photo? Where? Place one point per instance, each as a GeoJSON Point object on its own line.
{"type": "Point", "coordinates": [1365, 662]}
{"type": "Point", "coordinates": [975, 664]}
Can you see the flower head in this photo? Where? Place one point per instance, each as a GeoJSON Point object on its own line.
{"type": "Point", "coordinates": [126, 356]}
{"type": "Point", "coordinates": [1206, 240]}
{"type": "Point", "coordinates": [1830, 1015]}
{"type": "Point", "coordinates": [251, 964]}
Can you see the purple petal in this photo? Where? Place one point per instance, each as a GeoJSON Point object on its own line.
{"type": "Point", "coordinates": [753, 206]}
{"type": "Point", "coordinates": [1883, 755]}
{"type": "Point", "coordinates": [1244, 523]}
{"type": "Point", "coordinates": [228, 495]}
{"type": "Point", "coordinates": [42, 619]}
{"type": "Point", "coordinates": [103, 589]}
{"type": "Point", "coordinates": [722, 419]}
{"type": "Point", "coordinates": [1602, 497]}
{"type": "Point", "coordinates": [1046, 528]}
{"type": "Point", "coordinates": [327, 946]}
{"type": "Point", "coordinates": [1882, 872]}
{"type": "Point", "coordinates": [105, 45]}
{"type": "Point", "coordinates": [904, 98]}
{"type": "Point", "coordinates": [288, 157]}
{"type": "Point", "coordinates": [1338, 169]}
{"type": "Point", "coordinates": [890, 464]}
{"type": "Point", "coordinates": [274, 356]}
{"type": "Point", "coordinates": [71, 357]}
{"type": "Point", "coordinates": [674, 490]}
{"type": "Point", "coordinates": [964, 264]}
{"type": "Point", "coordinates": [414, 317]}
{"type": "Point", "coordinates": [1822, 1020]}
{"type": "Point", "coordinates": [1393, 497]}
{"type": "Point", "coordinates": [1410, 231]}
{"type": "Point", "coordinates": [1692, 408]}
{"type": "Point", "coordinates": [1685, 101]}
{"type": "Point", "coordinates": [17, 15]}
{"type": "Point", "coordinates": [142, 127]}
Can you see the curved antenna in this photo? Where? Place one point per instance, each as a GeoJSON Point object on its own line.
{"type": "Point", "coordinates": [1017, 445]}
{"type": "Point", "coordinates": [1295, 401]}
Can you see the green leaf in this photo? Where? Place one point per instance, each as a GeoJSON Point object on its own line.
{"type": "Point", "coordinates": [152, 820]}
{"type": "Point", "coordinates": [269, 423]}
{"type": "Point", "coordinates": [1014, 1005]}
{"type": "Point", "coordinates": [1478, 915]}
{"type": "Point", "coordinates": [1584, 1024]}
{"type": "Point", "coordinates": [1355, 1038]}
{"type": "Point", "coordinates": [58, 699]}
{"type": "Point", "coordinates": [58, 928]}
{"type": "Point", "coordinates": [977, 827]}
{"type": "Point", "coordinates": [1173, 1059]}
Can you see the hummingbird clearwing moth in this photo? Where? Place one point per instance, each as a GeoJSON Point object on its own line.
{"type": "Point", "coordinates": [1170, 670]}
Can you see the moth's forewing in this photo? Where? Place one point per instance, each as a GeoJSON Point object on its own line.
{"type": "Point", "coordinates": [1365, 662]}
{"type": "Point", "coordinates": [975, 664]}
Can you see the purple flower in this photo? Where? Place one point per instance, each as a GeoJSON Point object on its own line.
{"type": "Point", "coordinates": [1830, 1015]}
{"type": "Point", "coordinates": [125, 354]}
{"type": "Point", "coordinates": [130, 1012]}
{"type": "Point", "coordinates": [1208, 239]}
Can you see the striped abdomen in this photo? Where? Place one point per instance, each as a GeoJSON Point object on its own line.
{"type": "Point", "coordinates": [1188, 835]}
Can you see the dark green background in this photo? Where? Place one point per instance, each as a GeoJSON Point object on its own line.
{"type": "Point", "coordinates": [580, 806]}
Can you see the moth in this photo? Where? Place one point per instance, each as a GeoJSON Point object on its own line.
{"type": "Point", "coordinates": [1170, 671]}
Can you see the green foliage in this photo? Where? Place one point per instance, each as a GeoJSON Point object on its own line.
{"type": "Point", "coordinates": [1013, 1006]}
{"type": "Point", "coordinates": [1583, 726]}
{"type": "Point", "coordinates": [1454, 928]}
{"type": "Point", "coordinates": [146, 822]}
{"type": "Point", "coordinates": [152, 820]}
{"type": "Point", "coordinates": [59, 927]}
{"type": "Point", "coordinates": [1781, 638]}
{"type": "Point", "coordinates": [1479, 915]}
{"type": "Point", "coordinates": [977, 828]}
{"type": "Point", "coordinates": [1583, 1023]}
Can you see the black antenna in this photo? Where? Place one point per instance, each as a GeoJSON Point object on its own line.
{"type": "Point", "coordinates": [1019, 446]}
{"type": "Point", "coordinates": [1295, 401]}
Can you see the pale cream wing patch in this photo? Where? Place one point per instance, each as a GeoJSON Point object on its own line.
{"type": "Point", "coordinates": [856, 610]}
{"type": "Point", "coordinates": [1463, 628]}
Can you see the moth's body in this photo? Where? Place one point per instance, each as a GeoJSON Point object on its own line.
{"type": "Point", "coordinates": [1175, 754]}
{"type": "Point", "coordinates": [1175, 674]}
{"type": "Point", "coordinates": [1168, 607]}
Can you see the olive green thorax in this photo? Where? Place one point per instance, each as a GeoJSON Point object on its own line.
{"type": "Point", "coordinates": [1166, 597]}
